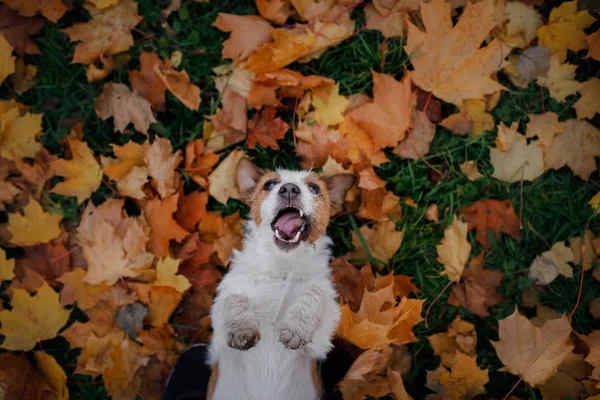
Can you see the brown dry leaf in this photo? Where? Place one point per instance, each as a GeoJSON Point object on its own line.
{"type": "Point", "coordinates": [146, 81]}
{"type": "Point", "coordinates": [576, 148]}
{"type": "Point", "coordinates": [531, 352]}
{"type": "Point", "coordinates": [94, 73]}
{"type": "Point", "coordinates": [198, 165]}
{"type": "Point", "coordinates": [7, 66]}
{"type": "Point", "coordinates": [390, 24]}
{"type": "Point", "coordinates": [465, 381]}
{"type": "Point", "coordinates": [498, 216]}
{"type": "Point", "coordinates": [179, 84]}
{"type": "Point", "coordinates": [461, 337]}
{"type": "Point", "coordinates": [125, 106]}
{"type": "Point", "coordinates": [120, 376]}
{"type": "Point", "coordinates": [379, 204]}
{"type": "Point", "coordinates": [593, 42]}
{"type": "Point", "coordinates": [387, 119]}
{"type": "Point", "coordinates": [191, 209]}
{"type": "Point", "coordinates": [225, 234]}
{"type": "Point", "coordinates": [469, 168]}
{"type": "Point", "coordinates": [316, 143]}
{"type": "Point", "coordinates": [382, 241]}
{"type": "Point", "coordinates": [369, 180]}
{"type": "Point", "coordinates": [20, 380]}
{"type": "Point", "coordinates": [472, 119]}
{"type": "Point", "coordinates": [82, 172]}
{"type": "Point", "coordinates": [478, 288]}
{"type": "Point", "coordinates": [162, 163]}
{"type": "Point", "coordinates": [53, 10]}
{"type": "Point", "coordinates": [265, 129]}
{"type": "Point", "coordinates": [416, 143]}
{"type": "Point", "coordinates": [448, 61]}
{"type": "Point", "coordinates": [522, 162]}
{"type": "Point", "coordinates": [17, 30]}
{"type": "Point", "coordinates": [164, 228]}
{"type": "Point", "coordinates": [76, 290]}
{"type": "Point", "coordinates": [222, 181]}
{"type": "Point", "coordinates": [453, 251]}
{"type": "Point", "coordinates": [229, 125]}
{"type": "Point", "coordinates": [546, 267]}
{"type": "Point", "coordinates": [107, 33]}
{"type": "Point", "coordinates": [566, 383]}
{"type": "Point", "coordinates": [32, 177]}
{"type": "Point", "coordinates": [51, 260]}
{"type": "Point", "coordinates": [520, 25]}
{"type": "Point", "coordinates": [588, 104]}
{"type": "Point", "coordinates": [560, 80]}
{"type": "Point", "coordinates": [506, 136]}
{"type": "Point", "coordinates": [248, 32]}
{"type": "Point", "coordinates": [432, 213]}
{"type": "Point", "coordinates": [349, 282]}
{"type": "Point", "coordinates": [35, 226]}
{"type": "Point", "coordinates": [24, 77]}
{"type": "Point", "coordinates": [544, 126]}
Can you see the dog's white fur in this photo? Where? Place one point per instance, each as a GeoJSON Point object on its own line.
{"type": "Point", "coordinates": [288, 297]}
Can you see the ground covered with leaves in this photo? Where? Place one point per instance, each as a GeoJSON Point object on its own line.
{"type": "Point", "coordinates": [465, 259]}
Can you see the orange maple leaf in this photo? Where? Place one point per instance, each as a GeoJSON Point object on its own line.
{"type": "Point", "coordinates": [499, 216]}
{"type": "Point", "coordinates": [164, 228]}
{"type": "Point", "coordinates": [248, 32]}
{"type": "Point", "coordinates": [265, 129]}
{"type": "Point", "coordinates": [146, 81]}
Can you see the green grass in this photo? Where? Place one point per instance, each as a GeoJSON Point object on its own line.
{"type": "Point", "coordinates": [555, 205]}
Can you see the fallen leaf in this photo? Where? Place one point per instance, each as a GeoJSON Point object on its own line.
{"type": "Point", "coordinates": [390, 24]}
{"type": "Point", "coordinates": [18, 30]}
{"type": "Point", "coordinates": [108, 32]}
{"type": "Point", "coordinates": [275, 10]}
{"type": "Point", "coordinates": [560, 80]}
{"type": "Point", "coordinates": [125, 106]}
{"type": "Point", "coordinates": [164, 228]}
{"type": "Point", "coordinates": [593, 42]}
{"type": "Point", "coordinates": [588, 104]}
{"type": "Point", "coordinates": [248, 32]}
{"type": "Point", "coordinates": [453, 251]}
{"type": "Point", "coordinates": [198, 165]}
{"type": "Point", "coordinates": [465, 381]}
{"type": "Point", "coordinates": [533, 63]}
{"type": "Point", "coordinates": [478, 288]}
{"type": "Point", "coordinates": [230, 124]}
{"type": "Point", "coordinates": [472, 119]}
{"type": "Point", "coordinates": [545, 126]}
{"type": "Point", "coordinates": [520, 25]}
{"type": "Point", "coordinates": [330, 111]}
{"type": "Point", "coordinates": [448, 61]}
{"type": "Point", "coordinates": [222, 181]}
{"type": "Point", "coordinates": [316, 143]}
{"type": "Point", "coordinates": [360, 143]}
{"type": "Point", "coordinates": [460, 338]}
{"type": "Point", "coordinates": [575, 148]}
{"type": "Point", "coordinates": [522, 162]}
{"type": "Point", "coordinates": [7, 267]}
{"type": "Point", "coordinates": [51, 260]}
{"type": "Point", "coordinates": [531, 352]}
{"type": "Point", "coordinates": [166, 275]}
{"type": "Point", "coordinates": [179, 84]}
{"type": "Point", "coordinates": [469, 168]}
{"type": "Point", "coordinates": [265, 129]}
{"type": "Point", "coordinates": [382, 241]}
{"type": "Point", "coordinates": [547, 266]}
{"type": "Point", "coordinates": [235, 77]}
{"type": "Point", "coordinates": [162, 163]}
{"type": "Point", "coordinates": [369, 180]}
{"type": "Point", "coordinates": [583, 249]}
{"type": "Point", "coordinates": [53, 374]}
{"type": "Point", "coordinates": [119, 377]}
{"type": "Point", "coordinates": [387, 119]}
{"type": "Point", "coordinates": [76, 290]}
{"type": "Point", "coordinates": [566, 383]}
{"type": "Point", "coordinates": [32, 318]}
{"type": "Point", "coordinates": [163, 302]}
{"type": "Point", "coordinates": [18, 133]}
{"type": "Point", "coordinates": [51, 9]}
{"type": "Point", "coordinates": [146, 81]}
{"type": "Point", "coordinates": [432, 212]}
{"type": "Point", "coordinates": [230, 237]}
{"type": "Point", "coordinates": [20, 380]}
{"type": "Point", "coordinates": [564, 30]}
{"type": "Point", "coordinates": [24, 76]}
{"type": "Point", "coordinates": [191, 209]}
{"type": "Point", "coordinates": [416, 143]}
{"type": "Point", "coordinates": [7, 66]}
{"type": "Point", "coordinates": [34, 226]}
{"type": "Point", "coordinates": [498, 216]}
{"type": "Point", "coordinates": [506, 136]}
{"type": "Point", "coordinates": [349, 282]}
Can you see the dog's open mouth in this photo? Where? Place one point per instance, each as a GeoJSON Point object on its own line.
{"type": "Point", "coordinates": [290, 226]}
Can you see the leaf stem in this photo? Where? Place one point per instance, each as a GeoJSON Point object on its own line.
{"type": "Point", "coordinates": [513, 388]}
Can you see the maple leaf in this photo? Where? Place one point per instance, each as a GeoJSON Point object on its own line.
{"type": "Point", "coordinates": [506, 135]}
{"type": "Point", "coordinates": [191, 209]}
{"type": "Point", "coordinates": [316, 143]}
{"type": "Point", "coordinates": [17, 30]}
{"type": "Point", "coordinates": [329, 111]}
{"type": "Point", "coordinates": [50, 260]}
{"type": "Point", "coordinates": [179, 84]}
{"type": "Point", "coordinates": [18, 132]}
{"type": "Point", "coordinates": [82, 172]}
{"type": "Point", "coordinates": [7, 65]}
{"type": "Point", "coordinates": [222, 181]}
{"type": "Point", "coordinates": [275, 10]}
{"type": "Point", "coordinates": [360, 143]}
{"type": "Point", "coordinates": [496, 215]}
{"type": "Point", "coordinates": [390, 24]}
{"type": "Point", "coordinates": [129, 170]}
{"type": "Point", "coordinates": [146, 82]}
{"type": "Point", "coordinates": [108, 32]}
{"type": "Point", "coordinates": [166, 275]}
{"type": "Point", "coordinates": [163, 302]}
{"type": "Point", "coordinates": [51, 9]}
{"type": "Point", "coordinates": [416, 143]}
{"type": "Point", "coordinates": [448, 61]}
{"type": "Point", "coordinates": [576, 148]}
{"type": "Point", "coordinates": [545, 126]}
{"type": "Point", "coordinates": [469, 168]}
{"type": "Point", "coordinates": [531, 352]}
{"type": "Point", "coordinates": [32, 318]}
{"type": "Point", "coordinates": [520, 25]}
{"type": "Point", "coordinates": [454, 249]}
{"type": "Point", "coordinates": [225, 234]}
{"type": "Point", "coordinates": [460, 338]}
{"type": "Point", "coordinates": [593, 42]}
{"type": "Point", "coordinates": [125, 106]}
{"type": "Point", "coordinates": [34, 226]}
{"type": "Point", "coordinates": [465, 381]}
{"type": "Point", "coordinates": [248, 32]}
{"type": "Point", "coordinates": [349, 282]}
{"type": "Point", "coordinates": [164, 228]}
{"type": "Point", "coordinates": [546, 267]}
{"type": "Point", "coordinates": [198, 166]}
{"type": "Point", "coordinates": [588, 104]}
{"type": "Point", "coordinates": [229, 124]}
{"type": "Point", "coordinates": [472, 119]}
{"type": "Point", "coordinates": [564, 30]}
{"type": "Point", "coordinates": [566, 383]}
{"type": "Point", "coordinates": [53, 374]}
{"type": "Point", "coordinates": [521, 162]}
{"type": "Point", "coordinates": [119, 376]}
{"type": "Point", "coordinates": [560, 79]}
{"type": "Point", "coordinates": [381, 241]}
{"type": "Point", "coordinates": [76, 290]}
{"type": "Point", "coordinates": [7, 267]}
{"type": "Point", "coordinates": [388, 117]}
{"type": "Point", "coordinates": [161, 162]}
{"type": "Point", "coordinates": [24, 76]}
{"type": "Point", "coordinates": [20, 380]}
{"type": "Point", "coordinates": [265, 129]}
{"type": "Point", "coordinates": [478, 288]}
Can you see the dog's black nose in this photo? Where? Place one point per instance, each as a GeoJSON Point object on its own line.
{"type": "Point", "coordinates": [289, 191]}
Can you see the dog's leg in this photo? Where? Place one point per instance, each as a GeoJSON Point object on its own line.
{"type": "Point", "coordinates": [301, 320]}
{"type": "Point", "coordinates": [239, 322]}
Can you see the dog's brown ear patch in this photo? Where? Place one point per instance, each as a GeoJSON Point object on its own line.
{"type": "Point", "coordinates": [247, 176]}
{"type": "Point", "coordinates": [337, 186]}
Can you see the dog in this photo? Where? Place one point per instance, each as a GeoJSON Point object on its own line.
{"type": "Point", "coordinates": [276, 310]}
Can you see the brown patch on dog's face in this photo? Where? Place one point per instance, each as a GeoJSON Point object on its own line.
{"type": "Point", "coordinates": [319, 219]}
{"type": "Point", "coordinates": [260, 193]}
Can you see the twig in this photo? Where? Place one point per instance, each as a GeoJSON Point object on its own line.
{"type": "Point", "coordinates": [513, 388]}
{"type": "Point", "coordinates": [65, 254]}
{"type": "Point", "coordinates": [532, 229]}
{"type": "Point", "coordinates": [580, 282]}
{"type": "Point", "coordinates": [434, 300]}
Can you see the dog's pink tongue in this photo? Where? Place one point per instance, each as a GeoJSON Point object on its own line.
{"type": "Point", "coordinates": [289, 224]}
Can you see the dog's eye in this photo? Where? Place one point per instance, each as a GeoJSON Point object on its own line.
{"type": "Point", "coordinates": [269, 185]}
{"type": "Point", "coordinates": [314, 188]}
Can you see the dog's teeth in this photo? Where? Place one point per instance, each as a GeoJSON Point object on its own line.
{"type": "Point", "coordinates": [278, 235]}
{"type": "Point", "coordinates": [297, 236]}
{"type": "Point", "coordinates": [301, 213]}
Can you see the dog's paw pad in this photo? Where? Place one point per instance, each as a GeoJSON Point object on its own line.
{"type": "Point", "coordinates": [291, 339]}
{"type": "Point", "coordinates": [243, 338]}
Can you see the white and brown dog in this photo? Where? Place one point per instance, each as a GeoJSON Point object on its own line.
{"type": "Point", "coordinates": [276, 310]}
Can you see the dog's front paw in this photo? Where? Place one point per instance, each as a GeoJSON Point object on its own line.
{"type": "Point", "coordinates": [293, 336]}
{"type": "Point", "coordinates": [243, 337]}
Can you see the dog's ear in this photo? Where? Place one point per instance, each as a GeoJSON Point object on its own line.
{"type": "Point", "coordinates": [247, 175]}
{"type": "Point", "coordinates": [337, 186]}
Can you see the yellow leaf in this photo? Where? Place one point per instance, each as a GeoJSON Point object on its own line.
{"type": "Point", "coordinates": [454, 249]}
{"type": "Point", "coordinates": [593, 41]}
{"type": "Point", "coordinates": [329, 112]}
{"type": "Point", "coordinates": [7, 267]}
{"type": "Point", "coordinates": [222, 181]}
{"type": "Point", "coordinates": [531, 352]}
{"type": "Point", "coordinates": [522, 23]}
{"type": "Point", "coordinates": [523, 161]}
{"type": "Point", "coordinates": [469, 168]}
{"type": "Point", "coordinates": [588, 104]}
{"type": "Point", "coordinates": [595, 202]}
{"type": "Point", "coordinates": [18, 134]}
{"type": "Point", "coordinates": [544, 126]}
{"type": "Point", "coordinates": [460, 338]}
{"type": "Point", "coordinates": [82, 172]}
{"type": "Point", "coordinates": [287, 47]}
{"type": "Point", "coordinates": [465, 381]}
{"type": "Point", "coordinates": [506, 136]}
{"type": "Point", "coordinates": [7, 63]}
{"type": "Point", "coordinates": [564, 30]}
{"type": "Point", "coordinates": [100, 4]}
{"type": "Point", "coordinates": [118, 101]}
{"type": "Point", "coordinates": [166, 275]}
{"type": "Point", "coordinates": [179, 84]}
{"type": "Point", "coordinates": [382, 241]}
{"type": "Point", "coordinates": [32, 318]}
{"type": "Point", "coordinates": [35, 226]}
{"type": "Point", "coordinates": [482, 120]}
{"type": "Point", "coordinates": [53, 374]}
{"type": "Point", "coordinates": [560, 81]}
{"type": "Point", "coordinates": [51, 9]}
{"type": "Point", "coordinates": [75, 289]}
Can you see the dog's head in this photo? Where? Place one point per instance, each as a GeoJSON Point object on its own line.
{"type": "Point", "coordinates": [295, 206]}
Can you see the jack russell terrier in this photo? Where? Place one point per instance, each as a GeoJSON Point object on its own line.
{"type": "Point", "coordinates": [276, 311]}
